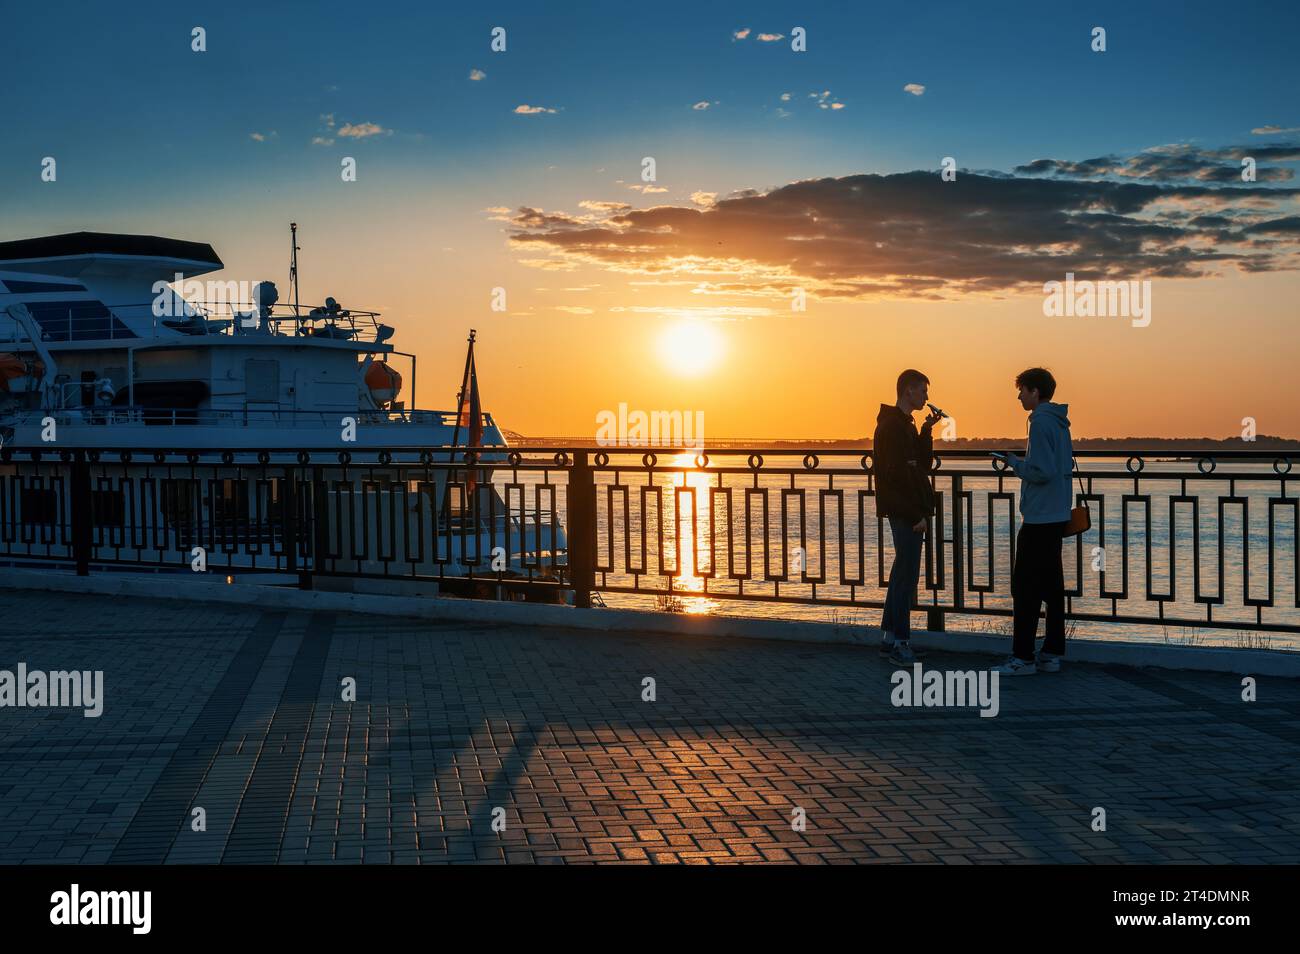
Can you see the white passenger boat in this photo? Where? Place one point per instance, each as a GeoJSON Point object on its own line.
{"type": "Point", "coordinates": [100, 351]}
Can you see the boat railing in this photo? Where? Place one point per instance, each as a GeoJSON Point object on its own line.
{"type": "Point", "coordinates": [94, 321]}
{"type": "Point", "coordinates": [243, 417]}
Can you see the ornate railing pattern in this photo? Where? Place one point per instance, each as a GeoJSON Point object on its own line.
{"type": "Point", "coordinates": [1202, 540]}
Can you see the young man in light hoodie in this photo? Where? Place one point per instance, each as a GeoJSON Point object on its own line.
{"type": "Point", "coordinates": [1045, 502]}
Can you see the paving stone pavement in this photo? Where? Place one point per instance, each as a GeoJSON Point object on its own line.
{"type": "Point", "coordinates": [240, 712]}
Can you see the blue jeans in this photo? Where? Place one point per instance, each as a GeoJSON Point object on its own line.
{"type": "Point", "coordinates": [903, 578]}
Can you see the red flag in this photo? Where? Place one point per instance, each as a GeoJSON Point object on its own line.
{"type": "Point", "coordinates": [475, 408]}
{"type": "Point", "coordinates": [475, 417]}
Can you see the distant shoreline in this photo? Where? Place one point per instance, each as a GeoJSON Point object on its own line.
{"type": "Point", "coordinates": [1171, 445]}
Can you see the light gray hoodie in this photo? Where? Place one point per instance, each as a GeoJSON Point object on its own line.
{"type": "Point", "coordinates": [1044, 471]}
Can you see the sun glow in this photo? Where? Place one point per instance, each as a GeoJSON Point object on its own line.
{"type": "Point", "coordinates": [690, 346]}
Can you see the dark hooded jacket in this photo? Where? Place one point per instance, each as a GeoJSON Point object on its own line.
{"type": "Point", "coordinates": [902, 464]}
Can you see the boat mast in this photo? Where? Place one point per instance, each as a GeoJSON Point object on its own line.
{"type": "Point", "coordinates": [293, 264]}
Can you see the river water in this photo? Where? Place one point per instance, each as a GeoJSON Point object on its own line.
{"type": "Point", "coordinates": [834, 509]}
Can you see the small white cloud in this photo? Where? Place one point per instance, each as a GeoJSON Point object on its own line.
{"type": "Point", "coordinates": [363, 130]}
{"type": "Point", "coordinates": [916, 89]}
{"type": "Point", "coordinates": [740, 34]}
{"type": "Point", "coordinates": [785, 97]}
{"type": "Point", "coordinates": [321, 141]}
{"type": "Point", "coordinates": [645, 189]}
{"type": "Point", "coordinates": [770, 37]}
{"type": "Point", "coordinates": [526, 110]}
{"type": "Point", "coordinates": [825, 100]}
{"type": "Point", "coordinates": [477, 75]}
{"type": "Point", "coordinates": [262, 137]}
{"type": "Point", "coordinates": [1273, 130]}
{"type": "Point", "coordinates": [702, 104]}
{"type": "Point", "coordinates": [705, 199]}
{"type": "Point", "coordinates": [327, 119]}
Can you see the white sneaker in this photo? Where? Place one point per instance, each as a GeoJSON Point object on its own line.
{"type": "Point", "coordinates": [1047, 662]}
{"type": "Point", "coordinates": [901, 654]}
{"type": "Point", "coordinates": [1015, 666]}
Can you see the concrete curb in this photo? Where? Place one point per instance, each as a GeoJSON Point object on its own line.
{"type": "Point", "coordinates": [1258, 662]}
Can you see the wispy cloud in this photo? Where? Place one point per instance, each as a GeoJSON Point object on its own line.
{"type": "Point", "coordinates": [740, 34]}
{"type": "Point", "coordinates": [477, 75]}
{"type": "Point", "coordinates": [702, 104]}
{"type": "Point", "coordinates": [769, 37]}
{"type": "Point", "coordinates": [1273, 130]}
{"type": "Point", "coordinates": [916, 89]}
{"type": "Point", "coordinates": [362, 130]}
{"type": "Point", "coordinates": [263, 137]}
{"type": "Point", "coordinates": [526, 110]}
{"type": "Point", "coordinates": [647, 189]}
{"type": "Point", "coordinates": [709, 313]}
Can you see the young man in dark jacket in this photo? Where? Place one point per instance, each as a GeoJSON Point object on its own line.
{"type": "Point", "coordinates": [904, 497]}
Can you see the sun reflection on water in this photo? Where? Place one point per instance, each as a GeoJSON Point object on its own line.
{"type": "Point", "coordinates": [689, 579]}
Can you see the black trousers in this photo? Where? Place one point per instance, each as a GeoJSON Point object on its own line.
{"type": "Point", "coordinates": [1036, 580]}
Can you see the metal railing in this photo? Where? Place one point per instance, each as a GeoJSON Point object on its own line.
{"type": "Point", "coordinates": [1202, 540]}
{"type": "Point", "coordinates": [1205, 540]}
{"type": "Point", "coordinates": [233, 417]}
{"type": "Point", "coordinates": [95, 321]}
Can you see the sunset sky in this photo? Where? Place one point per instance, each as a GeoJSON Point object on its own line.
{"type": "Point", "coordinates": [775, 171]}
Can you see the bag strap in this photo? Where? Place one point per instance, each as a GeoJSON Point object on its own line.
{"type": "Point", "coordinates": [1074, 463]}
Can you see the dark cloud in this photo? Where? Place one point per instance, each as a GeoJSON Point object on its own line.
{"type": "Point", "coordinates": [1174, 163]}
{"type": "Point", "coordinates": [1286, 226]}
{"type": "Point", "coordinates": [913, 234]}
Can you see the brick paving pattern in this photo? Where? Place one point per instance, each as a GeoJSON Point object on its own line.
{"type": "Point", "coordinates": [239, 711]}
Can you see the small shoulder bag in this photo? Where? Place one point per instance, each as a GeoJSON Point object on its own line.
{"type": "Point", "coordinates": [1080, 517]}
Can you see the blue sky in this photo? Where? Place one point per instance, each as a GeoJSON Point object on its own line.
{"type": "Point", "coordinates": [106, 90]}
{"type": "Point", "coordinates": [221, 147]}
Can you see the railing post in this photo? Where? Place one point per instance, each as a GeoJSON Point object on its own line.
{"type": "Point", "coordinates": [958, 547]}
{"type": "Point", "coordinates": [320, 518]}
{"type": "Point", "coordinates": [289, 523]}
{"type": "Point", "coordinates": [80, 504]}
{"type": "Point", "coordinates": [582, 529]}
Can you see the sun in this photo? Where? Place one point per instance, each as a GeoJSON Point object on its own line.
{"type": "Point", "coordinates": [691, 346]}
